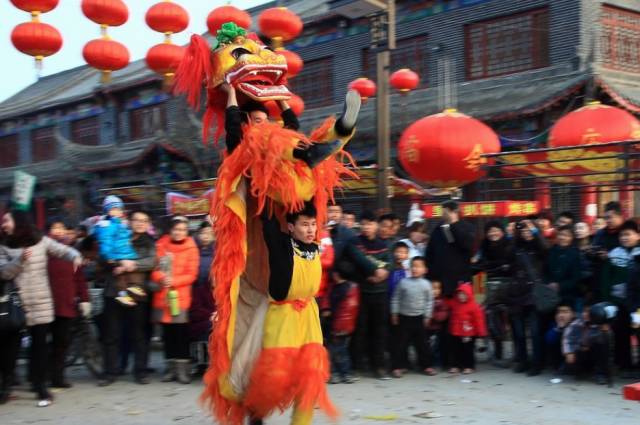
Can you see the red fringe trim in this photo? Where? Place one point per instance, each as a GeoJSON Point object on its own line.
{"type": "Point", "coordinates": [283, 377]}
{"type": "Point", "coordinates": [194, 68]}
{"type": "Point", "coordinates": [261, 157]}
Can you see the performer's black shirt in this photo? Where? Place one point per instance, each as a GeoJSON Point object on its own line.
{"type": "Point", "coordinates": [234, 118]}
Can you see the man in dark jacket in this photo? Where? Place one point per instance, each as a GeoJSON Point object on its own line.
{"type": "Point", "coordinates": [371, 334]}
{"type": "Point", "coordinates": [450, 249]}
{"type": "Point", "coordinates": [136, 317]}
{"type": "Point", "coordinates": [562, 269]}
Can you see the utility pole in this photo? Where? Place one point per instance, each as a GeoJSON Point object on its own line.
{"type": "Point", "coordinates": [383, 40]}
{"type": "Point", "coordinates": [382, 29]}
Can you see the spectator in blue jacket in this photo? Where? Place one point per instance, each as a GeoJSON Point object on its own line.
{"type": "Point", "coordinates": [114, 242]}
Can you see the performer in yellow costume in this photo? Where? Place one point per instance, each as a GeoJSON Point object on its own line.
{"type": "Point", "coordinates": [266, 352]}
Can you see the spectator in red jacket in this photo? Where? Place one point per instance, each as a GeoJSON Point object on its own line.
{"type": "Point", "coordinates": [345, 300]}
{"type": "Point", "coordinates": [466, 323]}
{"type": "Point", "coordinates": [70, 294]}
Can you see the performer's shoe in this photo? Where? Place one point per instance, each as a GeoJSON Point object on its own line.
{"type": "Point", "coordinates": [335, 379]}
{"type": "Point", "coordinates": [347, 121]}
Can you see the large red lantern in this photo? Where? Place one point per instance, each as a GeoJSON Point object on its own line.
{"type": "Point", "coordinates": [167, 17]}
{"type": "Point", "coordinates": [164, 58]}
{"type": "Point", "coordinates": [106, 55]}
{"type": "Point", "coordinates": [364, 86]}
{"type": "Point", "coordinates": [404, 80]}
{"type": "Point", "coordinates": [294, 62]}
{"type": "Point", "coordinates": [279, 24]}
{"type": "Point", "coordinates": [36, 6]}
{"type": "Point", "coordinates": [444, 150]}
{"type": "Point", "coordinates": [36, 39]}
{"type": "Point", "coordinates": [111, 13]}
{"type": "Point", "coordinates": [295, 103]}
{"type": "Point", "coordinates": [594, 123]}
{"type": "Point", "coordinates": [223, 14]}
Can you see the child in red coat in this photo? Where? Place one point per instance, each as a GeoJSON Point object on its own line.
{"type": "Point", "coordinates": [466, 322]}
{"type": "Point", "coordinates": [345, 301]}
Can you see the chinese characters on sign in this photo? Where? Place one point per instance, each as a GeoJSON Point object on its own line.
{"type": "Point", "coordinates": [487, 209]}
{"type": "Point", "coordinates": [379, 31]}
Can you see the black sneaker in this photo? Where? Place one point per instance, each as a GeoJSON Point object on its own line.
{"type": "Point", "coordinates": [347, 121]}
{"type": "Point", "coordinates": [534, 371]}
{"type": "Point", "coordinates": [142, 380]}
{"type": "Point", "coordinates": [106, 380]}
{"type": "Point", "coordinates": [61, 384]}
{"type": "Point", "coordinates": [520, 368]}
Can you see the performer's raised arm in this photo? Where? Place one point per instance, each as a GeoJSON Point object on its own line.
{"type": "Point", "coordinates": [232, 118]}
{"type": "Point", "coordinates": [289, 118]}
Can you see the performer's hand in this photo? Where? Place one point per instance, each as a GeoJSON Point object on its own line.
{"type": "Point", "coordinates": [227, 88]}
{"type": "Point", "coordinates": [395, 319]}
{"type": "Point", "coordinates": [426, 321]}
{"type": "Point", "coordinates": [570, 358]}
{"type": "Point", "coordinates": [326, 313]}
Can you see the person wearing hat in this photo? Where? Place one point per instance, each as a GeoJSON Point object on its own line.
{"type": "Point", "coordinates": [114, 242]}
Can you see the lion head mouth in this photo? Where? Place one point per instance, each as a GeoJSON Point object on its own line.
{"type": "Point", "coordinates": [260, 81]}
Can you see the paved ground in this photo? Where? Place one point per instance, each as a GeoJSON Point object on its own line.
{"type": "Point", "coordinates": [491, 396]}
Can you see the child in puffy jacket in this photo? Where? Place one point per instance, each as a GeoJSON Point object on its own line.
{"type": "Point", "coordinates": [114, 244]}
{"type": "Point", "coordinates": [467, 322]}
{"type": "Point", "coordinates": [345, 301]}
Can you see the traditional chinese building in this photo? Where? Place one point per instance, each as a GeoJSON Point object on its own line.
{"type": "Point", "coordinates": [517, 65]}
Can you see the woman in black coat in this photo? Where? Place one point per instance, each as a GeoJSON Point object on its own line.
{"type": "Point", "coordinates": [495, 258]}
{"type": "Point", "coordinates": [528, 269]}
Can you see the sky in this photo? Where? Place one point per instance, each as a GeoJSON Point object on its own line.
{"type": "Point", "coordinates": [18, 70]}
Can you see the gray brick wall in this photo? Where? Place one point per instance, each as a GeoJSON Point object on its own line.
{"type": "Point", "coordinates": [447, 29]}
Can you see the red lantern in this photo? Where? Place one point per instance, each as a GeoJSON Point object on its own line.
{"type": "Point", "coordinates": [40, 6]}
{"type": "Point", "coordinates": [280, 24]}
{"type": "Point", "coordinates": [223, 14]}
{"type": "Point", "coordinates": [36, 39]}
{"type": "Point", "coordinates": [364, 86]}
{"type": "Point", "coordinates": [167, 17]}
{"type": "Point", "coordinates": [404, 80]}
{"type": "Point", "coordinates": [594, 123]}
{"type": "Point", "coordinates": [294, 62]}
{"type": "Point", "coordinates": [295, 103]}
{"type": "Point", "coordinates": [112, 13]}
{"type": "Point", "coordinates": [444, 150]}
{"type": "Point", "coordinates": [106, 55]}
{"type": "Point", "coordinates": [164, 58]}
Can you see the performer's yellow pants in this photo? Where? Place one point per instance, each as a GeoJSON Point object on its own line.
{"type": "Point", "coordinates": [301, 417]}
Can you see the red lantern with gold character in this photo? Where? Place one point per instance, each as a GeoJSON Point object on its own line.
{"type": "Point", "coordinates": [39, 6]}
{"type": "Point", "coordinates": [444, 150]}
{"type": "Point", "coordinates": [279, 24]}
{"type": "Point", "coordinates": [294, 62]}
{"type": "Point", "coordinates": [223, 14]}
{"type": "Point", "coordinates": [404, 80]}
{"type": "Point", "coordinates": [594, 123]}
{"type": "Point", "coordinates": [167, 17]}
{"type": "Point", "coordinates": [295, 103]}
{"type": "Point", "coordinates": [364, 86]}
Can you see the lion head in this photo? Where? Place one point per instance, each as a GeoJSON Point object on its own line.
{"type": "Point", "coordinates": [251, 67]}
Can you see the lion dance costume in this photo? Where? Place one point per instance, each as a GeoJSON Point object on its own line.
{"type": "Point", "coordinates": [266, 355]}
